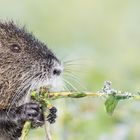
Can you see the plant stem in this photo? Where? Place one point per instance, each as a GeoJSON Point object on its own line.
{"type": "Point", "coordinates": [57, 95]}
{"type": "Point", "coordinates": [45, 97]}
{"type": "Point", "coordinates": [25, 130]}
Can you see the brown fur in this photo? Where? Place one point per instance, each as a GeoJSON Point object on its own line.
{"type": "Point", "coordinates": [23, 61]}
{"type": "Point", "coordinates": [18, 69]}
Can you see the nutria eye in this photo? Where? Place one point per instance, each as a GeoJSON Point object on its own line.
{"type": "Point", "coordinates": [15, 48]}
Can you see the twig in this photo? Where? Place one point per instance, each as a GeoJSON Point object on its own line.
{"type": "Point", "coordinates": [47, 130]}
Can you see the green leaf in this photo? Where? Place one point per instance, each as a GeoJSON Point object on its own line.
{"type": "Point", "coordinates": [111, 104]}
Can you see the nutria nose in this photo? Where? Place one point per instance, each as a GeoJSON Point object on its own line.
{"type": "Point", "coordinates": [57, 71]}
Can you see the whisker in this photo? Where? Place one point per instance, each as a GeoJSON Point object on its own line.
{"type": "Point", "coordinates": [76, 80]}
{"type": "Point", "coordinates": [72, 75]}
{"type": "Point", "coordinates": [66, 88]}
{"type": "Point", "coordinates": [14, 98]}
{"type": "Point", "coordinates": [72, 72]}
{"type": "Point", "coordinates": [73, 63]}
{"type": "Point", "coordinates": [72, 60]}
{"type": "Point", "coordinates": [25, 85]}
{"type": "Point", "coordinates": [75, 70]}
{"type": "Point", "coordinates": [72, 67]}
{"type": "Point", "coordinates": [70, 84]}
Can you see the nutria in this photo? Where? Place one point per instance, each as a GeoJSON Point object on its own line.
{"type": "Point", "coordinates": [26, 64]}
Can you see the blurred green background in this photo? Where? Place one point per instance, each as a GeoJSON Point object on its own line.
{"type": "Point", "coordinates": [102, 37]}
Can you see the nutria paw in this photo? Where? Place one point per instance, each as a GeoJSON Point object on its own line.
{"type": "Point", "coordinates": [52, 116]}
{"type": "Point", "coordinates": [32, 112]}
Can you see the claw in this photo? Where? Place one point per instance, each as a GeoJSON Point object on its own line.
{"type": "Point", "coordinates": [52, 116]}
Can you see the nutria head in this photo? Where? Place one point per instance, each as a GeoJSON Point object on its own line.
{"type": "Point", "coordinates": [25, 64]}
